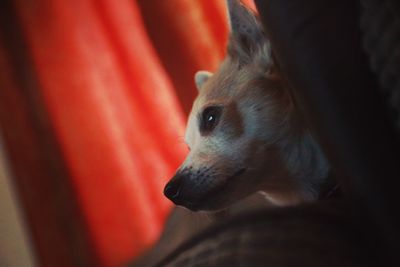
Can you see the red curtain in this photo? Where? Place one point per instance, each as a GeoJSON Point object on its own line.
{"type": "Point", "coordinates": [117, 80]}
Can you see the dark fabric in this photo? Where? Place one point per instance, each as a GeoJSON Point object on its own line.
{"type": "Point", "coordinates": [323, 234]}
{"type": "Point", "coordinates": [380, 23]}
{"type": "Point", "coordinates": [318, 47]}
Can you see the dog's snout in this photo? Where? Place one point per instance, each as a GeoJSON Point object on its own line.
{"type": "Point", "coordinates": [172, 189]}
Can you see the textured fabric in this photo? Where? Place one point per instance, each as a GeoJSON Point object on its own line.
{"type": "Point", "coordinates": [323, 234]}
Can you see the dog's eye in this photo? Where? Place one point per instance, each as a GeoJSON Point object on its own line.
{"type": "Point", "coordinates": [209, 119]}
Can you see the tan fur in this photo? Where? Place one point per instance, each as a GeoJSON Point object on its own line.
{"type": "Point", "coordinates": [259, 143]}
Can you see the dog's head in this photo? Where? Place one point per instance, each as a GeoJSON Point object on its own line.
{"type": "Point", "coordinates": [239, 125]}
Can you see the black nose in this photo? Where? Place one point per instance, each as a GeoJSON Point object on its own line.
{"type": "Point", "coordinates": [172, 190]}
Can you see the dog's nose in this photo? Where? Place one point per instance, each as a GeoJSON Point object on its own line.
{"type": "Point", "coordinates": [172, 190]}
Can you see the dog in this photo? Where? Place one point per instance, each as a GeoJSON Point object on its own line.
{"type": "Point", "coordinates": [245, 132]}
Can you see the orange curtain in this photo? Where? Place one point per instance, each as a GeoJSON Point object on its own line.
{"type": "Point", "coordinates": [117, 80]}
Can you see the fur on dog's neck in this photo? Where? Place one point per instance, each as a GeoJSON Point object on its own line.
{"type": "Point", "coordinates": [308, 169]}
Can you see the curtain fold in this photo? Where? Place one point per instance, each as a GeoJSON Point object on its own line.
{"type": "Point", "coordinates": [117, 80]}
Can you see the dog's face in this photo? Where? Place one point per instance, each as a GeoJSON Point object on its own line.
{"type": "Point", "coordinates": [238, 127]}
{"type": "Point", "coordinates": [232, 133]}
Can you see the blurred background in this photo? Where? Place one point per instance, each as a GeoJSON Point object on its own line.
{"type": "Point", "coordinates": [94, 96]}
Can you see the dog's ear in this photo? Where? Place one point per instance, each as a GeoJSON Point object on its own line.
{"type": "Point", "coordinates": [201, 77]}
{"type": "Point", "coordinates": [246, 32]}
